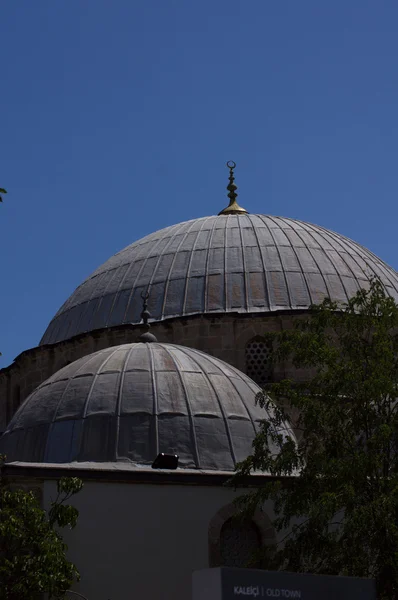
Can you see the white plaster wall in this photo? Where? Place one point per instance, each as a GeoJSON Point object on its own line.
{"type": "Point", "coordinates": [138, 541]}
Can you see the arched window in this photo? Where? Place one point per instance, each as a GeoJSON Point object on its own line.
{"type": "Point", "coordinates": [258, 360]}
{"type": "Point", "coordinates": [240, 544]}
{"type": "Point", "coordinates": [236, 542]}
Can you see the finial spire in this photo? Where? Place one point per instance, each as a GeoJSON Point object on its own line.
{"type": "Point", "coordinates": [232, 187]}
{"type": "Point", "coordinates": [233, 208]}
{"type": "Point", "coordinates": [146, 336]}
{"type": "Point", "coordinates": [145, 312]}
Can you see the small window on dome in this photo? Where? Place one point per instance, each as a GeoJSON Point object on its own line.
{"type": "Point", "coordinates": [258, 353]}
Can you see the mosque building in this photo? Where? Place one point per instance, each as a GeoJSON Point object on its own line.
{"type": "Point", "coordinates": [161, 350]}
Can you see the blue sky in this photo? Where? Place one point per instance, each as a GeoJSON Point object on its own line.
{"type": "Point", "coordinates": [117, 118]}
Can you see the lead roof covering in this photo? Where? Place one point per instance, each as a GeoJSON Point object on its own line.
{"type": "Point", "coordinates": [223, 264]}
{"type": "Point", "coordinates": [130, 402]}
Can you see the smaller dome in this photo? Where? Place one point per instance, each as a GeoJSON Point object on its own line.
{"type": "Point", "coordinates": [130, 402]}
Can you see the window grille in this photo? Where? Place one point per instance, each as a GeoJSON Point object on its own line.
{"type": "Point", "coordinates": [258, 360]}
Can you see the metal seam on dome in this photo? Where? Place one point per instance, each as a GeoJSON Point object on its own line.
{"type": "Point", "coordinates": [84, 312]}
{"type": "Point", "coordinates": [160, 255]}
{"type": "Point", "coordinates": [49, 331]}
{"type": "Point", "coordinates": [336, 270]}
{"type": "Point", "coordinates": [371, 270]}
{"type": "Point", "coordinates": [178, 227]}
{"type": "Point", "coordinates": [373, 263]}
{"type": "Point", "coordinates": [297, 258]}
{"type": "Point", "coordinates": [350, 264]}
{"type": "Point", "coordinates": [245, 282]}
{"type": "Point", "coordinates": [218, 399]}
{"type": "Point", "coordinates": [187, 401]}
{"type": "Point", "coordinates": [188, 277]}
{"type": "Point", "coordinates": [99, 369]}
{"type": "Point", "coordinates": [239, 375]}
{"type": "Point", "coordinates": [56, 321]}
{"type": "Point", "coordinates": [266, 282]}
{"type": "Point", "coordinates": [99, 277]}
{"type": "Point", "coordinates": [225, 299]}
{"type": "Point", "coordinates": [70, 321]}
{"type": "Point", "coordinates": [166, 287]}
{"type": "Point", "coordinates": [119, 289]}
{"type": "Point", "coordinates": [85, 361]}
{"type": "Point", "coordinates": [89, 300]}
{"type": "Point", "coordinates": [320, 272]}
{"type": "Point", "coordinates": [354, 256]}
{"type": "Point", "coordinates": [323, 275]}
{"type": "Point", "coordinates": [354, 246]}
{"type": "Point", "coordinates": [388, 268]}
{"type": "Point", "coordinates": [53, 420]}
{"type": "Point", "coordinates": [119, 399]}
{"type": "Point", "coordinates": [97, 301]}
{"type": "Point", "coordinates": [280, 260]}
{"type": "Point", "coordinates": [369, 254]}
{"type": "Point", "coordinates": [206, 269]}
{"type": "Point", "coordinates": [385, 272]}
{"type": "Point", "coordinates": [338, 242]}
{"type": "Point", "coordinates": [340, 247]}
{"type": "Point", "coordinates": [155, 408]}
{"type": "Point", "coordinates": [220, 454]}
{"type": "Point", "coordinates": [98, 308]}
{"type": "Point", "coordinates": [336, 239]}
{"type": "Point", "coordinates": [64, 306]}
{"type": "Point", "coordinates": [22, 408]}
{"type": "Point", "coordinates": [133, 287]}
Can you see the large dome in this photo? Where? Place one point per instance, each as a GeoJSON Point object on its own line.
{"type": "Point", "coordinates": [225, 264]}
{"type": "Point", "coordinates": [130, 402]}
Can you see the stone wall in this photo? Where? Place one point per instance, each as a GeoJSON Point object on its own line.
{"type": "Point", "coordinates": [223, 336]}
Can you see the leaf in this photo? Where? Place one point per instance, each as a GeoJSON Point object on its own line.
{"type": "Point", "coordinates": [337, 507]}
{"type": "Point", "coordinates": [32, 553]}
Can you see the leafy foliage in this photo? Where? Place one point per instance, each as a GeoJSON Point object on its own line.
{"type": "Point", "coordinates": [32, 552]}
{"type": "Point", "coordinates": [337, 508]}
{"type": "Point", "coordinates": [2, 192]}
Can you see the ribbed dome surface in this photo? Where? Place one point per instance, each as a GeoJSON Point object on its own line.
{"type": "Point", "coordinates": [133, 401]}
{"type": "Point", "coordinates": [236, 263]}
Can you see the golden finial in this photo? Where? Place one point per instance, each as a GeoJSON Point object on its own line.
{"type": "Point", "coordinates": [233, 208]}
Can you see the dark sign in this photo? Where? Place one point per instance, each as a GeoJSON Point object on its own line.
{"type": "Point", "coordinates": [237, 584]}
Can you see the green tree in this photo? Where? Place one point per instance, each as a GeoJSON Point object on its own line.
{"type": "Point", "coordinates": [2, 191]}
{"type": "Point", "coordinates": [32, 553]}
{"type": "Point", "coordinates": [336, 503]}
